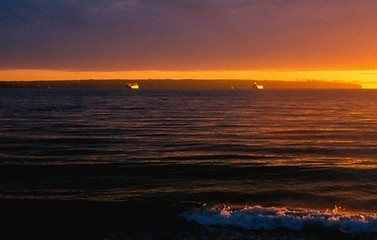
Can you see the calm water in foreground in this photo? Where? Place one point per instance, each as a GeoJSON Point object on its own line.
{"type": "Point", "coordinates": [245, 164]}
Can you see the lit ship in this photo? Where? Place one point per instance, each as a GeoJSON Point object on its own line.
{"type": "Point", "coordinates": [133, 85]}
{"type": "Point", "coordinates": [256, 86]}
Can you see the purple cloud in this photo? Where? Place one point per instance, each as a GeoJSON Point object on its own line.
{"type": "Point", "coordinates": [185, 34]}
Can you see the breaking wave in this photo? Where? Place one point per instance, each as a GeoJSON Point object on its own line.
{"type": "Point", "coordinates": [273, 218]}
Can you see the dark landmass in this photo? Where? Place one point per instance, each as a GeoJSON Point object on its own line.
{"type": "Point", "coordinates": [193, 84]}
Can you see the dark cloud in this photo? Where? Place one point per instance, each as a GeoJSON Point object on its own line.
{"type": "Point", "coordinates": [185, 34]}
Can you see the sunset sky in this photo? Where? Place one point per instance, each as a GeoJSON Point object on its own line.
{"type": "Point", "coordinates": [212, 39]}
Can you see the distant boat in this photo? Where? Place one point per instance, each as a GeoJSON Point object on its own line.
{"type": "Point", "coordinates": [256, 86]}
{"type": "Point", "coordinates": [133, 85]}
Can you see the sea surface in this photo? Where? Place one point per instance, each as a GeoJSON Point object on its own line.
{"type": "Point", "coordinates": [240, 164]}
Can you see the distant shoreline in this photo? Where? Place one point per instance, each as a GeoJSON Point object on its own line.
{"type": "Point", "coordinates": [184, 83]}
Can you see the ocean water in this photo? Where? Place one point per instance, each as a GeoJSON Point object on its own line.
{"type": "Point", "coordinates": [241, 164]}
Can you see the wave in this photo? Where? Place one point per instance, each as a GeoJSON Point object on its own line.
{"type": "Point", "coordinates": [274, 218]}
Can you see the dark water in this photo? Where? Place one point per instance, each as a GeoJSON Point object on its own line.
{"type": "Point", "coordinates": [289, 156]}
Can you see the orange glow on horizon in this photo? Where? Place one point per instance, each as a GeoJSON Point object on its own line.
{"type": "Point", "coordinates": [367, 78]}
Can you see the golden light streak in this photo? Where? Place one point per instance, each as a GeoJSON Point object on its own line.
{"type": "Point", "coordinates": [367, 78]}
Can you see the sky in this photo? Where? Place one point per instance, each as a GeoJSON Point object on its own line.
{"type": "Point", "coordinates": [245, 39]}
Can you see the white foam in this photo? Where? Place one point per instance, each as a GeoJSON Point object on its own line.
{"type": "Point", "coordinates": [270, 218]}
